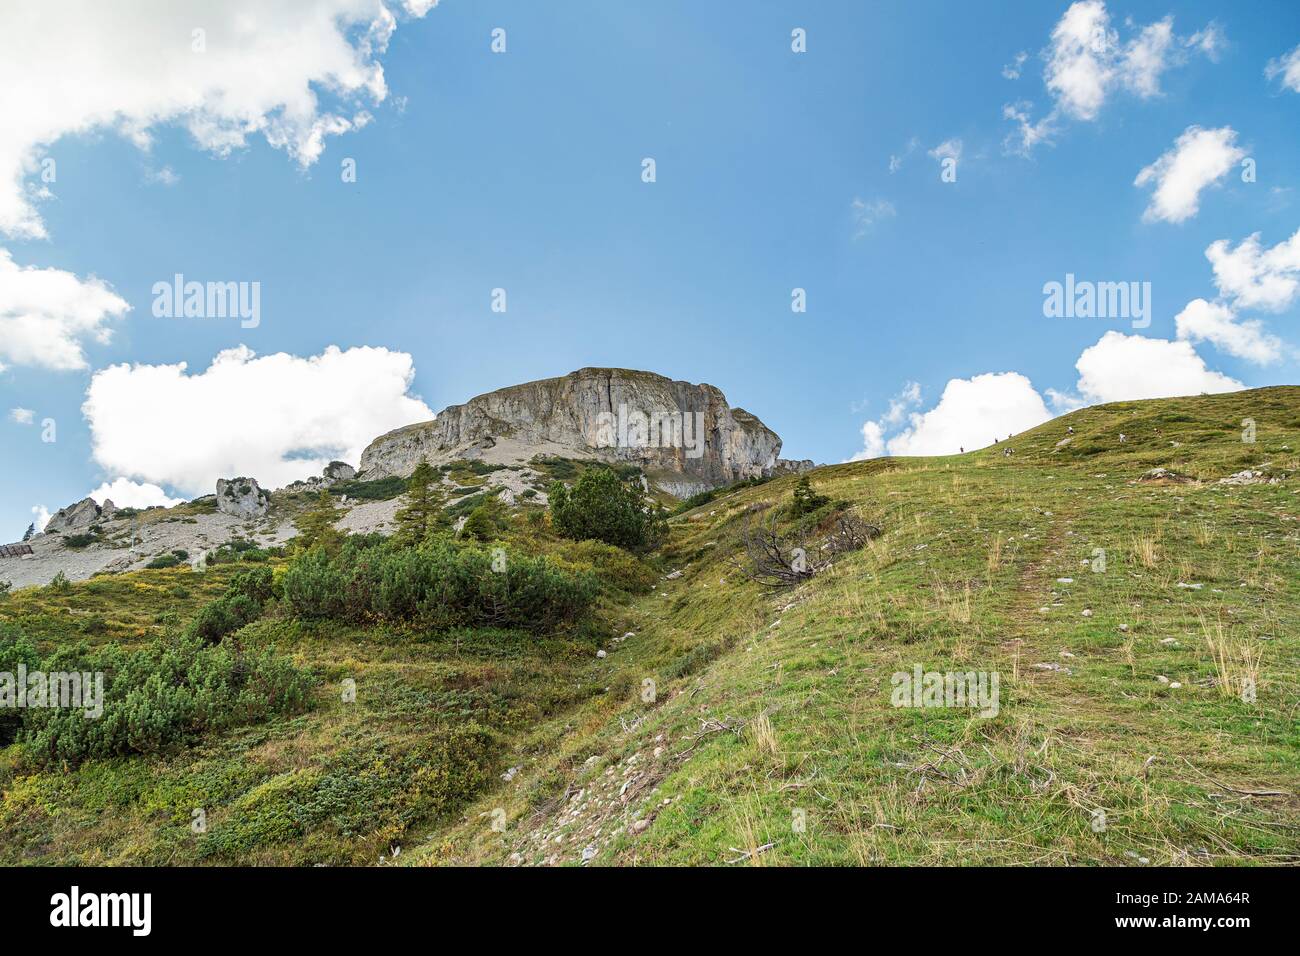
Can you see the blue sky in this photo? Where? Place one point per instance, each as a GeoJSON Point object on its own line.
{"type": "Point", "coordinates": [522, 170]}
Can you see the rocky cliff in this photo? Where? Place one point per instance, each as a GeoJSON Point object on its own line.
{"type": "Point", "coordinates": [685, 437]}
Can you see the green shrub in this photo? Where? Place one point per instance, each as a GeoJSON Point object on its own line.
{"type": "Point", "coordinates": [60, 584]}
{"type": "Point", "coordinates": [161, 696]}
{"type": "Point", "coordinates": [440, 584]}
{"type": "Point", "coordinates": [15, 650]}
{"type": "Point", "coordinates": [79, 540]}
{"type": "Point", "coordinates": [256, 584]}
{"type": "Point", "coordinates": [381, 489]}
{"type": "Point", "coordinates": [485, 522]}
{"type": "Point", "coordinates": [314, 586]}
{"type": "Point", "coordinates": [245, 597]}
{"type": "Point", "coordinates": [805, 500]}
{"type": "Point", "coordinates": [223, 616]}
{"type": "Point", "coordinates": [600, 507]}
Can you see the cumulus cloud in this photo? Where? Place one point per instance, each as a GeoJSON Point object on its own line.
{"type": "Point", "coordinates": [47, 314]}
{"type": "Point", "coordinates": [1255, 277]}
{"type": "Point", "coordinates": [40, 516]}
{"type": "Point", "coordinates": [224, 71]}
{"type": "Point", "coordinates": [1012, 70]}
{"type": "Point", "coordinates": [22, 416]}
{"type": "Point", "coordinates": [276, 418]}
{"type": "Point", "coordinates": [970, 414]}
{"type": "Point", "coordinates": [1217, 323]}
{"type": "Point", "coordinates": [1087, 60]}
{"type": "Point", "coordinates": [1125, 367]}
{"type": "Point", "coordinates": [1198, 158]}
{"type": "Point", "coordinates": [1286, 67]}
{"type": "Point", "coordinates": [133, 494]}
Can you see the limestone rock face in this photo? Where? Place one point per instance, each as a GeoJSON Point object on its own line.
{"type": "Point", "coordinates": [685, 437]}
{"type": "Point", "coordinates": [339, 471]}
{"type": "Point", "coordinates": [242, 498]}
{"type": "Point", "coordinates": [77, 517]}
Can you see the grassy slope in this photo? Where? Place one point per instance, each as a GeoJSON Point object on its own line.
{"type": "Point", "coordinates": [796, 716]}
{"type": "Point", "coordinates": [754, 720]}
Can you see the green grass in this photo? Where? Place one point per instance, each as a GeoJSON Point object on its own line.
{"type": "Point", "coordinates": [770, 738]}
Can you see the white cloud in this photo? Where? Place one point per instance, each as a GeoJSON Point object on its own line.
{"type": "Point", "coordinates": [873, 442]}
{"type": "Point", "coordinates": [22, 416]}
{"type": "Point", "coordinates": [1027, 134]}
{"type": "Point", "coordinates": [133, 494]}
{"type": "Point", "coordinates": [1146, 57]}
{"type": "Point", "coordinates": [948, 149]}
{"type": "Point", "coordinates": [1125, 367]}
{"type": "Point", "coordinates": [1087, 61]}
{"type": "Point", "coordinates": [1012, 70]}
{"type": "Point", "coordinates": [40, 516]}
{"type": "Point", "coordinates": [1288, 68]}
{"type": "Point", "coordinates": [1079, 68]}
{"type": "Point", "coordinates": [1209, 41]}
{"type": "Point", "coordinates": [1255, 277]}
{"type": "Point", "coordinates": [47, 314]}
{"type": "Point", "coordinates": [276, 418]}
{"type": "Point", "coordinates": [1217, 323]}
{"type": "Point", "coordinates": [971, 413]}
{"type": "Point", "coordinates": [76, 66]}
{"type": "Point", "coordinates": [1198, 158]}
{"type": "Point", "coordinates": [867, 214]}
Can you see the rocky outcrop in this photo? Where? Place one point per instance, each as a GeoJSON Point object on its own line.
{"type": "Point", "coordinates": [339, 471]}
{"type": "Point", "coordinates": [75, 518]}
{"type": "Point", "coordinates": [685, 437]}
{"type": "Point", "coordinates": [792, 466]}
{"type": "Point", "coordinates": [242, 498]}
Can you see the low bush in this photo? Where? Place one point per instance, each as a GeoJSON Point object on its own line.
{"type": "Point", "coordinates": [600, 507]}
{"type": "Point", "coordinates": [158, 697]}
{"type": "Point", "coordinates": [440, 584]}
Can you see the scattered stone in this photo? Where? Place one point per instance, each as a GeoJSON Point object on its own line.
{"type": "Point", "coordinates": [1190, 587]}
{"type": "Point", "coordinates": [1166, 477]}
{"type": "Point", "coordinates": [1065, 580]}
{"type": "Point", "coordinates": [510, 774]}
{"type": "Point", "coordinates": [588, 853]}
{"type": "Point", "coordinates": [638, 826]}
{"type": "Point", "coordinates": [1249, 477]}
{"type": "Point", "coordinates": [600, 654]}
{"type": "Point", "coordinates": [673, 576]}
{"type": "Point", "coordinates": [1087, 612]}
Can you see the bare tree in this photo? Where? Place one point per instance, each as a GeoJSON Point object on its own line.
{"type": "Point", "coordinates": [777, 560]}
